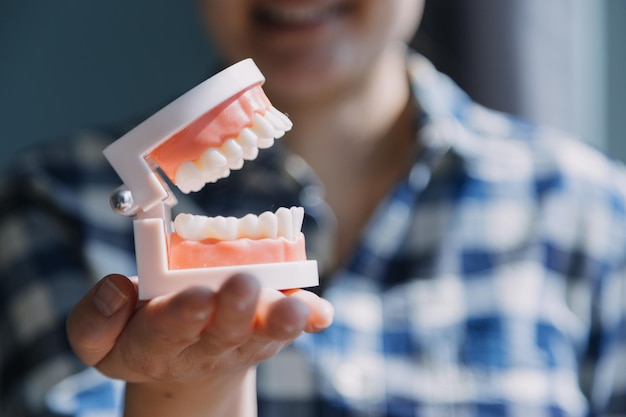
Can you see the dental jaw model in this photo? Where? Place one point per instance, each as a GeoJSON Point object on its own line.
{"type": "Point", "coordinates": [197, 140]}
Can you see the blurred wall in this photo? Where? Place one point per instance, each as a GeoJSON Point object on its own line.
{"type": "Point", "coordinates": [67, 64]}
{"type": "Point", "coordinates": [545, 60]}
{"type": "Point", "coordinates": [616, 78]}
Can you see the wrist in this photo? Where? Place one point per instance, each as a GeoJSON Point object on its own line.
{"type": "Point", "coordinates": [233, 395]}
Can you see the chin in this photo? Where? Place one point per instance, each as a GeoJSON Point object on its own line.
{"type": "Point", "coordinates": [313, 80]}
{"type": "Point", "coordinates": [298, 92]}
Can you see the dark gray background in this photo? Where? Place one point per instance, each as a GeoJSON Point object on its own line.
{"type": "Point", "coordinates": [68, 64]}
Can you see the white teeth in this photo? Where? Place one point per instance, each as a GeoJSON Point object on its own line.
{"type": "Point", "coordinates": [212, 159]}
{"type": "Point", "coordinates": [247, 138]}
{"type": "Point", "coordinates": [265, 143]}
{"type": "Point", "coordinates": [285, 226]}
{"type": "Point", "coordinates": [250, 154]}
{"type": "Point", "coordinates": [212, 164]}
{"type": "Point", "coordinates": [265, 131]}
{"type": "Point", "coordinates": [262, 127]}
{"type": "Point", "coordinates": [285, 223]}
{"type": "Point", "coordinates": [297, 217]}
{"type": "Point", "coordinates": [216, 163]}
{"type": "Point", "coordinates": [223, 228]}
{"type": "Point", "coordinates": [189, 178]}
{"type": "Point", "coordinates": [268, 225]}
{"type": "Point", "coordinates": [233, 152]}
{"type": "Point", "coordinates": [286, 122]}
{"type": "Point", "coordinates": [276, 123]}
{"type": "Point", "coordinates": [248, 227]}
{"type": "Point", "coordinates": [193, 226]}
{"type": "Point", "coordinates": [222, 174]}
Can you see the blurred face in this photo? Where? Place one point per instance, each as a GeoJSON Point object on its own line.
{"type": "Point", "coordinates": [309, 49]}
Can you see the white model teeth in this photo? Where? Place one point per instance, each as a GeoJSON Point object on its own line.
{"type": "Point", "coordinates": [263, 128]}
{"type": "Point", "coordinates": [285, 223]}
{"type": "Point", "coordinates": [233, 153]}
{"type": "Point", "coordinates": [216, 163]}
{"type": "Point", "coordinates": [274, 120]}
{"type": "Point", "coordinates": [282, 119]}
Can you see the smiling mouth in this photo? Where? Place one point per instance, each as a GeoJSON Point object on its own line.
{"type": "Point", "coordinates": [298, 16]}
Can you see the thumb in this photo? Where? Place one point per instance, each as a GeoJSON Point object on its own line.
{"type": "Point", "coordinates": [97, 320]}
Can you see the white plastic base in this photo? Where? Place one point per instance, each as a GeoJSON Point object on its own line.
{"type": "Point", "coordinates": [155, 277]}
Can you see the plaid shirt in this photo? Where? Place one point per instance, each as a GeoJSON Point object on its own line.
{"type": "Point", "coordinates": [489, 282]}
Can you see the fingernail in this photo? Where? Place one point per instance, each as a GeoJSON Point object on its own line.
{"type": "Point", "coordinates": [109, 299]}
{"type": "Point", "coordinates": [328, 311]}
{"type": "Point", "coordinates": [327, 317]}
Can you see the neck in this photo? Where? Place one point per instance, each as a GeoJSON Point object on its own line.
{"type": "Point", "coordinates": [359, 120]}
{"type": "Point", "coordinates": [359, 144]}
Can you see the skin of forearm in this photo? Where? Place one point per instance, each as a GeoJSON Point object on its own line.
{"type": "Point", "coordinates": [232, 396]}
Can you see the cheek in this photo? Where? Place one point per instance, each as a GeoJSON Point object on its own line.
{"type": "Point", "coordinates": [408, 17]}
{"type": "Point", "coordinates": [394, 19]}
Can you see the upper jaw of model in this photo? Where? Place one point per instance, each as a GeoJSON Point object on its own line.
{"type": "Point", "coordinates": [209, 148]}
{"type": "Point", "coordinates": [217, 162]}
{"type": "Point", "coordinates": [195, 140]}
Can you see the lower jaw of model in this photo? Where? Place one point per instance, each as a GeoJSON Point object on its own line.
{"type": "Point", "coordinates": [206, 151]}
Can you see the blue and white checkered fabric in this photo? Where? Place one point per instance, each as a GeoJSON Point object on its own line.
{"type": "Point", "coordinates": [489, 282]}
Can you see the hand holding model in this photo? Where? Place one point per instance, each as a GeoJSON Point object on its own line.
{"type": "Point", "coordinates": [197, 346]}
